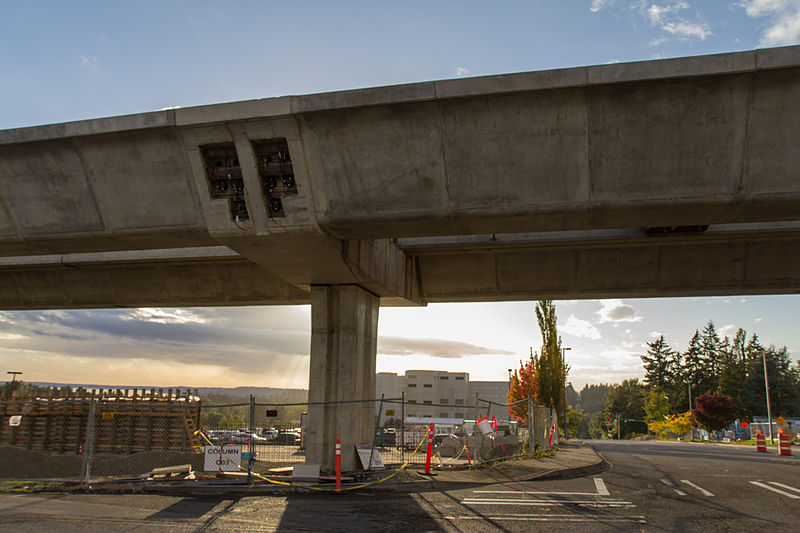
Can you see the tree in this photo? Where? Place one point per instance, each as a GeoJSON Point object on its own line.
{"type": "Point", "coordinates": [593, 397]}
{"type": "Point", "coordinates": [710, 346]}
{"type": "Point", "coordinates": [784, 383]}
{"type": "Point", "coordinates": [658, 363]}
{"type": "Point", "coordinates": [625, 401]}
{"type": "Point", "coordinates": [679, 424]}
{"type": "Point", "coordinates": [713, 412]}
{"type": "Point", "coordinates": [551, 369]}
{"type": "Point", "coordinates": [523, 385]}
{"type": "Point", "coordinates": [657, 406]}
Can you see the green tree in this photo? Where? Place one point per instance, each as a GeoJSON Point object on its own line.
{"type": "Point", "coordinates": [733, 370]}
{"type": "Point", "coordinates": [523, 385]}
{"type": "Point", "coordinates": [710, 345]}
{"type": "Point", "coordinates": [784, 384]}
{"type": "Point", "coordinates": [625, 401]}
{"type": "Point", "coordinates": [656, 406]}
{"type": "Point", "coordinates": [659, 363]}
{"type": "Point", "coordinates": [551, 369]}
{"type": "Point", "coordinates": [593, 397]}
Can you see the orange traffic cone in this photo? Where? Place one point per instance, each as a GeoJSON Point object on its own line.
{"type": "Point", "coordinates": [761, 442]}
{"type": "Point", "coordinates": [784, 444]}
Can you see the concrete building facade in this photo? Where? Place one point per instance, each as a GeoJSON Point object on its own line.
{"type": "Point", "coordinates": [442, 394]}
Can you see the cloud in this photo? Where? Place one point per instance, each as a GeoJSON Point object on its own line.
{"type": "Point", "coordinates": [433, 347]}
{"type": "Point", "coordinates": [88, 61]}
{"type": "Point", "coordinates": [597, 5]}
{"type": "Point", "coordinates": [612, 61]}
{"type": "Point", "coordinates": [462, 71]}
{"type": "Point", "coordinates": [617, 311]}
{"type": "Point", "coordinates": [726, 329]}
{"type": "Point", "coordinates": [670, 18]}
{"type": "Point", "coordinates": [580, 328]}
{"type": "Point", "coordinates": [759, 319]}
{"type": "Point", "coordinates": [783, 20]}
{"type": "Point", "coordinates": [179, 335]}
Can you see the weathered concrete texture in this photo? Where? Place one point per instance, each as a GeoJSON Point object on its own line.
{"type": "Point", "coordinates": [141, 284]}
{"type": "Point", "coordinates": [344, 336]}
{"type": "Point", "coordinates": [681, 142]}
{"type": "Point", "coordinates": [669, 266]}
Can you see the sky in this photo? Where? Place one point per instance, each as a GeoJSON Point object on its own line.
{"type": "Point", "coordinates": [64, 61]}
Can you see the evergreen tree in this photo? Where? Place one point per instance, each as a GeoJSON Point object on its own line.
{"type": "Point", "coordinates": [710, 346]}
{"type": "Point", "coordinates": [733, 370]}
{"type": "Point", "coordinates": [659, 363]}
{"type": "Point", "coordinates": [593, 397]}
{"type": "Point", "coordinates": [784, 384]}
{"type": "Point", "coordinates": [691, 374]}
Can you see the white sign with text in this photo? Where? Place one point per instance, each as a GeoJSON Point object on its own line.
{"type": "Point", "coordinates": [222, 458]}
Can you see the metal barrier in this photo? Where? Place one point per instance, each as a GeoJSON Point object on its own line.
{"type": "Point", "coordinates": [150, 434]}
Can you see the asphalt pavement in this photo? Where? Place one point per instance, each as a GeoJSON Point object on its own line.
{"type": "Point", "coordinates": [641, 486]}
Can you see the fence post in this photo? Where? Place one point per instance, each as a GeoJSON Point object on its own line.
{"type": "Point", "coordinates": [531, 426]}
{"type": "Point", "coordinates": [250, 451]}
{"type": "Point", "coordinates": [403, 424]}
{"type": "Point", "coordinates": [88, 445]}
{"type": "Point", "coordinates": [375, 434]}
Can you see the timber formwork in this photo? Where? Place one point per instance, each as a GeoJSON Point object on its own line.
{"type": "Point", "coordinates": [125, 421]}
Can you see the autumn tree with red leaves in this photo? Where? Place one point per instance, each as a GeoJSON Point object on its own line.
{"type": "Point", "coordinates": [523, 385]}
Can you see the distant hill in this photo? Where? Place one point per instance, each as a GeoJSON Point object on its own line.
{"type": "Point", "coordinates": [203, 391]}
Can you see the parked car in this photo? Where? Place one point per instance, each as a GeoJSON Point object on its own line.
{"type": "Point", "coordinates": [287, 437]}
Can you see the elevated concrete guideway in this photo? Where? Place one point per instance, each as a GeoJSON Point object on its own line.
{"type": "Point", "coordinates": [520, 161]}
{"type": "Point", "coordinates": [658, 178]}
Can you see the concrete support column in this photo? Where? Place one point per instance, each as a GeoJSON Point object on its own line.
{"type": "Point", "coordinates": [344, 336]}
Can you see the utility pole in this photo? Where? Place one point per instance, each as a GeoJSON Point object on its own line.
{"type": "Point", "coordinates": [766, 386]}
{"type": "Point", "coordinates": [563, 362]}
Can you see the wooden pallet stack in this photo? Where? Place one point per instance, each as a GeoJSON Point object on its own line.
{"type": "Point", "coordinates": [125, 421]}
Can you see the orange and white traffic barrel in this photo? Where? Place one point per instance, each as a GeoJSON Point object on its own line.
{"type": "Point", "coordinates": [784, 444]}
{"type": "Point", "coordinates": [761, 442]}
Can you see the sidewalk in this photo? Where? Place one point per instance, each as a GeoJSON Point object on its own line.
{"type": "Point", "coordinates": [573, 458]}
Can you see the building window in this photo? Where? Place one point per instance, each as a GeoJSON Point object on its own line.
{"type": "Point", "coordinates": [460, 378]}
{"type": "Point", "coordinates": [443, 377]}
{"type": "Point", "coordinates": [459, 415]}
{"type": "Point", "coordinates": [443, 415]}
{"type": "Point", "coordinates": [427, 416]}
{"type": "Point", "coordinates": [444, 401]}
{"type": "Point", "coordinates": [427, 402]}
{"type": "Point", "coordinates": [412, 377]}
{"type": "Point", "coordinates": [459, 402]}
{"type": "Point", "coordinates": [412, 385]}
{"type": "Point", "coordinates": [412, 401]}
{"type": "Point", "coordinates": [427, 385]}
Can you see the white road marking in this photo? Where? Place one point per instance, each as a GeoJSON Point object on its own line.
{"type": "Point", "coordinates": [601, 487]}
{"type": "Point", "coordinates": [669, 484]}
{"type": "Point", "coordinates": [505, 501]}
{"type": "Point", "coordinates": [783, 486]}
{"type": "Point", "coordinates": [598, 483]}
{"type": "Point", "coordinates": [701, 489]}
{"type": "Point", "coordinates": [773, 489]}
{"type": "Point", "coordinates": [550, 518]}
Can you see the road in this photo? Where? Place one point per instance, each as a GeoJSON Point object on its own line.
{"type": "Point", "coordinates": [649, 486]}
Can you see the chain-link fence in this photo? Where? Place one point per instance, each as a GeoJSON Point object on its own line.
{"type": "Point", "coordinates": [156, 435]}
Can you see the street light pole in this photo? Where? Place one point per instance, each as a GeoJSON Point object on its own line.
{"type": "Point", "coordinates": [766, 386]}
{"type": "Point", "coordinates": [563, 362]}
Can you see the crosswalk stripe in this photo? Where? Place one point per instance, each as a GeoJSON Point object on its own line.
{"type": "Point", "coordinates": [783, 486]}
{"type": "Point", "coordinates": [773, 489]}
{"type": "Point", "coordinates": [601, 487]}
{"type": "Point", "coordinates": [701, 489]}
{"type": "Point", "coordinates": [549, 518]}
{"type": "Point", "coordinates": [669, 484]}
